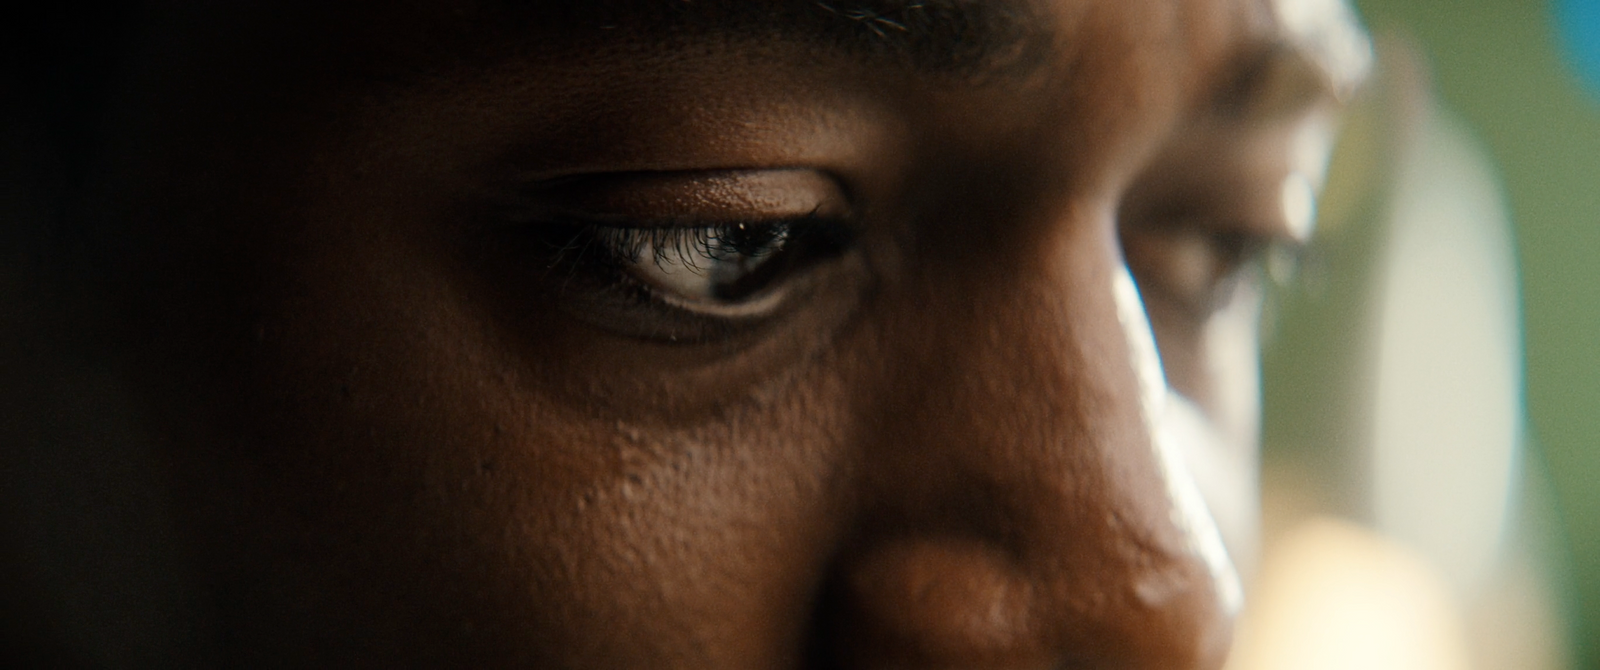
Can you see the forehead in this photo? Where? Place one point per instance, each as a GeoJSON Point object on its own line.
{"type": "Point", "coordinates": [1156, 51]}
{"type": "Point", "coordinates": [962, 37]}
{"type": "Point", "coordinates": [600, 73]}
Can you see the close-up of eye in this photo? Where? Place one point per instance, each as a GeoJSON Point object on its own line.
{"type": "Point", "coordinates": [683, 256]}
{"type": "Point", "coordinates": [727, 270]}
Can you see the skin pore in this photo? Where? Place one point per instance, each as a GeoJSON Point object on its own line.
{"type": "Point", "coordinates": [669, 334]}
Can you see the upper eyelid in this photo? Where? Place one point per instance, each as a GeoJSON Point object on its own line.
{"type": "Point", "coordinates": [679, 223]}
{"type": "Point", "coordinates": [699, 198]}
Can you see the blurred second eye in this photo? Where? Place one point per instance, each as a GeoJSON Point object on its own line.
{"type": "Point", "coordinates": [1195, 266]}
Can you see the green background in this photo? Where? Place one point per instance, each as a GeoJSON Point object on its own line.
{"type": "Point", "coordinates": [1499, 64]}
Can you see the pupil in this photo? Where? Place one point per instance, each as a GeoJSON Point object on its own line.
{"type": "Point", "coordinates": [743, 250]}
{"type": "Point", "coordinates": [754, 241]}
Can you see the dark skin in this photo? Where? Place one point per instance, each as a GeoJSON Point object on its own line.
{"type": "Point", "coordinates": [410, 322]}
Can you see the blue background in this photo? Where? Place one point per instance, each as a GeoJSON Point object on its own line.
{"type": "Point", "coordinates": [1580, 31]}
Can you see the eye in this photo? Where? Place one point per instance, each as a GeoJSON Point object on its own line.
{"type": "Point", "coordinates": [1194, 265]}
{"type": "Point", "coordinates": [718, 264]}
{"type": "Point", "coordinates": [727, 269]}
{"type": "Point", "coordinates": [684, 255]}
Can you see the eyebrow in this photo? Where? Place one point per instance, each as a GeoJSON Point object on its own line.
{"type": "Point", "coordinates": [940, 37]}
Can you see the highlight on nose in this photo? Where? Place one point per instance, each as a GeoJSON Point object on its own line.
{"type": "Point", "coordinates": [1189, 509]}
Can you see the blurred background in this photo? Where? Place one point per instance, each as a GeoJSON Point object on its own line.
{"type": "Point", "coordinates": [1432, 370]}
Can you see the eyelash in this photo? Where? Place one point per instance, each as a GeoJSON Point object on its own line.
{"type": "Point", "coordinates": [607, 255]}
{"type": "Point", "coordinates": [614, 243]}
{"type": "Point", "coordinates": [703, 243]}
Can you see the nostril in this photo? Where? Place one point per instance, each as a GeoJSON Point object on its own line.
{"type": "Point", "coordinates": [929, 603]}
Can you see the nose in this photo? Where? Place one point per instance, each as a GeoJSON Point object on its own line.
{"type": "Point", "coordinates": [1016, 506]}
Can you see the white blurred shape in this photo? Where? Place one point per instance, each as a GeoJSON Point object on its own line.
{"type": "Point", "coordinates": [1447, 421]}
{"type": "Point", "coordinates": [1335, 596]}
{"type": "Point", "coordinates": [1330, 33]}
{"type": "Point", "coordinates": [1299, 205]}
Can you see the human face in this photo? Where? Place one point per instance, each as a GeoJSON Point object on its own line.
{"type": "Point", "coordinates": [660, 334]}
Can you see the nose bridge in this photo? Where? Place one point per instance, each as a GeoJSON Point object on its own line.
{"type": "Point", "coordinates": [1020, 386]}
{"type": "Point", "coordinates": [1016, 510]}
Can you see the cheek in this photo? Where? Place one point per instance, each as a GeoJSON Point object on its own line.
{"type": "Point", "coordinates": [693, 540]}
{"type": "Point", "coordinates": [1231, 347]}
{"type": "Point", "coordinates": [701, 542]}
{"type": "Point", "coordinates": [500, 503]}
